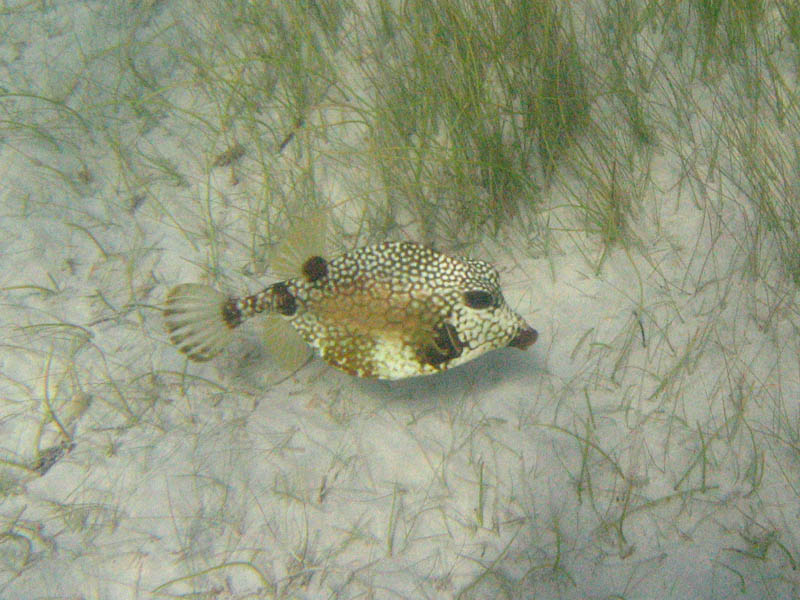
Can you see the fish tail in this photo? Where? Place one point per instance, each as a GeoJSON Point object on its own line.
{"type": "Point", "coordinates": [200, 320]}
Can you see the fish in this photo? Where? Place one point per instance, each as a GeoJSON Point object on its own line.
{"type": "Point", "coordinates": [390, 310]}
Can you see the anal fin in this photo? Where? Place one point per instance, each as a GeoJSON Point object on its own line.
{"type": "Point", "coordinates": [284, 344]}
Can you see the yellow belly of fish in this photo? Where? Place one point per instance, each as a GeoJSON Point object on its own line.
{"type": "Point", "coordinates": [375, 334]}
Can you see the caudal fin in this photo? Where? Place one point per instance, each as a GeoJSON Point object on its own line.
{"type": "Point", "coordinates": [194, 319]}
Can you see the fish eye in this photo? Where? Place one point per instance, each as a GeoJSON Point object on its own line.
{"type": "Point", "coordinates": [478, 299]}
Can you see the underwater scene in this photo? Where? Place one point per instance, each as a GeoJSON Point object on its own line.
{"type": "Point", "coordinates": [366, 299]}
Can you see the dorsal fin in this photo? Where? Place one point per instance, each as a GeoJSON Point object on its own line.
{"type": "Point", "coordinates": [305, 238]}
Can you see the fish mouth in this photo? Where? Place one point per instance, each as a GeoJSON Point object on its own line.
{"type": "Point", "coordinates": [525, 337]}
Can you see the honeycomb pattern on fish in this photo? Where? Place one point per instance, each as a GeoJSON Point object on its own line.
{"type": "Point", "coordinates": [389, 311]}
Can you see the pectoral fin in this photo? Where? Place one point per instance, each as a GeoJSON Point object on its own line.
{"type": "Point", "coordinates": [443, 346]}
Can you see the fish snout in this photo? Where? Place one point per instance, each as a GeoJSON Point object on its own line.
{"type": "Point", "coordinates": [525, 337]}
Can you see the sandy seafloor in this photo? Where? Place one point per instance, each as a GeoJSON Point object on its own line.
{"type": "Point", "coordinates": [638, 450]}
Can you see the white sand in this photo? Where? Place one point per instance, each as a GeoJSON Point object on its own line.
{"type": "Point", "coordinates": [642, 448]}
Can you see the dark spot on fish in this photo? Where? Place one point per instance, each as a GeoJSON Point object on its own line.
{"type": "Point", "coordinates": [284, 301]}
{"type": "Point", "coordinates": [445, 347]}
{"type": "Point", "coordinates": [479, 299]}
{"type": "Point", "coordinates": [315, 268]}
{"type": "Point", "coordinates": [524, 338]}
{"type": "Point", "coordinates": [231, 314]}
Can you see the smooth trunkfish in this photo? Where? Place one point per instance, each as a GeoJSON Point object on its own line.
{"type": "Point", "coordinates": [388, 311]}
